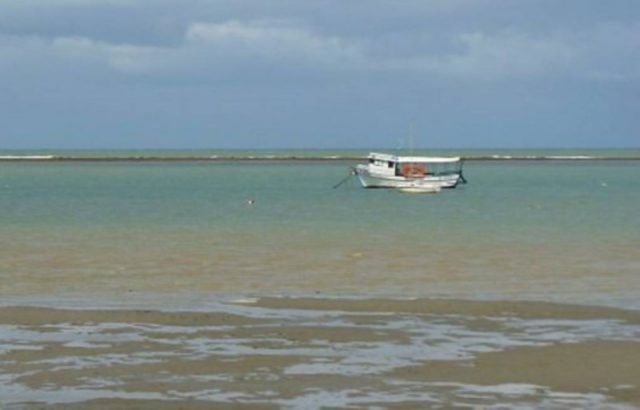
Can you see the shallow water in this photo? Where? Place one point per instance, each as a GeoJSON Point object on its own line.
{"type": "Point", "coordinates": [314, 353]}
{"type": "Point", "coordinates": [152, 277]}
{"type": "Point", "coordinates": [519, 230]}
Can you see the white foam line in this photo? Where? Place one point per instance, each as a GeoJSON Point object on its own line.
{"type": "Point", "coordinates": [33, 157]}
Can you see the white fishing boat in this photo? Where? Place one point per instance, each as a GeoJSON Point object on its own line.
{"type": "Point", "coordinates": [410, 172]}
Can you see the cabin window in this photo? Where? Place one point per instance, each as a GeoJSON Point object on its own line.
{"type": "Point", "coordinates": [390, 164]}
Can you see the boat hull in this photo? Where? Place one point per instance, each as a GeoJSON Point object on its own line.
{"type": "Point", "coordinates": [370, 180]}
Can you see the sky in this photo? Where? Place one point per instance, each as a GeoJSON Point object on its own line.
{"type": "Point", "coordinates": [307, 74]}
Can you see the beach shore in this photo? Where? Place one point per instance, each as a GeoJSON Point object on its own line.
{"type": "Point", "coordinates": [309, 352]}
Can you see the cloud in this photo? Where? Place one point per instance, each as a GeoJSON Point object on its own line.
{"type": "Point", "coordinates": [206, 48]}
{"type": "Point", "coordinates": [274, 41]}
{"type": "Point", "coordinates": [284, 48]}
{"type": "Point", "coordinates": [606, 52]}
{"type": "Point", "coordinates": [195, 67]}
{"type": "Point", "coordinates": [212, 49]}
{"type": "Point", "coordinates": [504, 55]}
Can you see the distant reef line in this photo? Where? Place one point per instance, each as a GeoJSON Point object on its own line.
{"type": "Point", "coordinates": [293, 158]}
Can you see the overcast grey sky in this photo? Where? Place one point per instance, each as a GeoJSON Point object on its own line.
{"type": "Point", "coordinates": [319, 74]}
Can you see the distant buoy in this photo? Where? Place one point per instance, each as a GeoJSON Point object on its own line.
{"type": "Point", "coordinates": [251, 201]}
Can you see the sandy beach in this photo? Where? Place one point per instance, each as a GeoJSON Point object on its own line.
{"type": "Point", "coordinates": [315, 352]}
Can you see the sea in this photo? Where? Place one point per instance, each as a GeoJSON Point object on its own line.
{"type": "Point", "coordinates": [562, 229]}
{"type": "Point", "coordinates": [185, 230]}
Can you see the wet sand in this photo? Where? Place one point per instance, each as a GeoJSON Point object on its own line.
{"type": "Point", "coordinates": [315, 352]}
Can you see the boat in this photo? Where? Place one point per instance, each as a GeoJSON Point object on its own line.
{"type": "Point", "coordinates": [421, 188]}
{"type": "Point", "coordinates": [409, 172]}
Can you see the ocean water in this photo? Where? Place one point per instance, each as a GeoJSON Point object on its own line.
{"type": "Point", "coordinates": [156, 284]}
{"type": "Point", "coordinates": [519, 230]}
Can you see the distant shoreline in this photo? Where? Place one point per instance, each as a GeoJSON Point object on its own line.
{"type": "Point", "coordinates": [270, 158]}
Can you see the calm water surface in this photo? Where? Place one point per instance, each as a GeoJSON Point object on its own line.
{"type": "Point", "coordinates": [565, 231]}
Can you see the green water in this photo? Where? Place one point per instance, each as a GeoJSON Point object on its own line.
{"type": "Point", "coordinates": [519, 230]}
